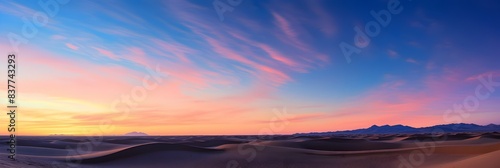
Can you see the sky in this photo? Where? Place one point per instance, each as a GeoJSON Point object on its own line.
{"type": "Point", "coordinates": [197, 67]}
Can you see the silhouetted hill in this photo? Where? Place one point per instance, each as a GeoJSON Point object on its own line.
{"type": "Point", "coordinates": [402, 129]}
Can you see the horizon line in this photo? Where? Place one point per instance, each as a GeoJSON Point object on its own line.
{"type": "Point", "coordinates": [117, 135]}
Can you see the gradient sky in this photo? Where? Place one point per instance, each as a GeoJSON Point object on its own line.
{"type": "Point", "coordinates": [231, 76]}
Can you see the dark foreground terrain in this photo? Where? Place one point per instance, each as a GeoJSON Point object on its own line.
{"type": "Point", "coordinates": [394, 150]}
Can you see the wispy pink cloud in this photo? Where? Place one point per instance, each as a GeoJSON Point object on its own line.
{"type": "Point", "coordinates": [178, 50]}
{"type": "Point", "coordinates": [274, 74]}
{"type": "Point", "coordinates": [277, 56]}
{"type": "Point", "coordinates": [138, 56]}
{"type": "Point", "coordinates": [494, 74]}
{"type": "Point", "coordinates": [16, 10]}
{"type": "Point", "coordinates": [284, 25]}
{"type": "Point", "coordinates": [325, 22]}
{"type": "Point", "coordinates": [107, 53]}
{"type": "Point", "coordinates": [293, 34]}
{"type": "Point", "coordinates": [71, 46]}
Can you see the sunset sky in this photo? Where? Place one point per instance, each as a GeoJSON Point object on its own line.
{"type": "Point", "coordinates": [233, 76]}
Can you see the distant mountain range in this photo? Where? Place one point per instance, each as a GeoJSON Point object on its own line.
{"type": "Point", "coordinates": [402, 129]}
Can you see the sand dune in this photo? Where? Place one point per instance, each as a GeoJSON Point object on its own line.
{"type": "Point", "coordinates": [485, 161]}
{"type": "Point", "coordinates": [144, 149]}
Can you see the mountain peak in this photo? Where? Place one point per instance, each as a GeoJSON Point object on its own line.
{"type": "Point", "coordinates": [374, 126]}
{"type": "Point", "coordinates": [136, 134]}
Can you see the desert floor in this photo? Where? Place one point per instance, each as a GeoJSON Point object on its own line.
{"type": "Point", "coordinates": [384, 151]}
